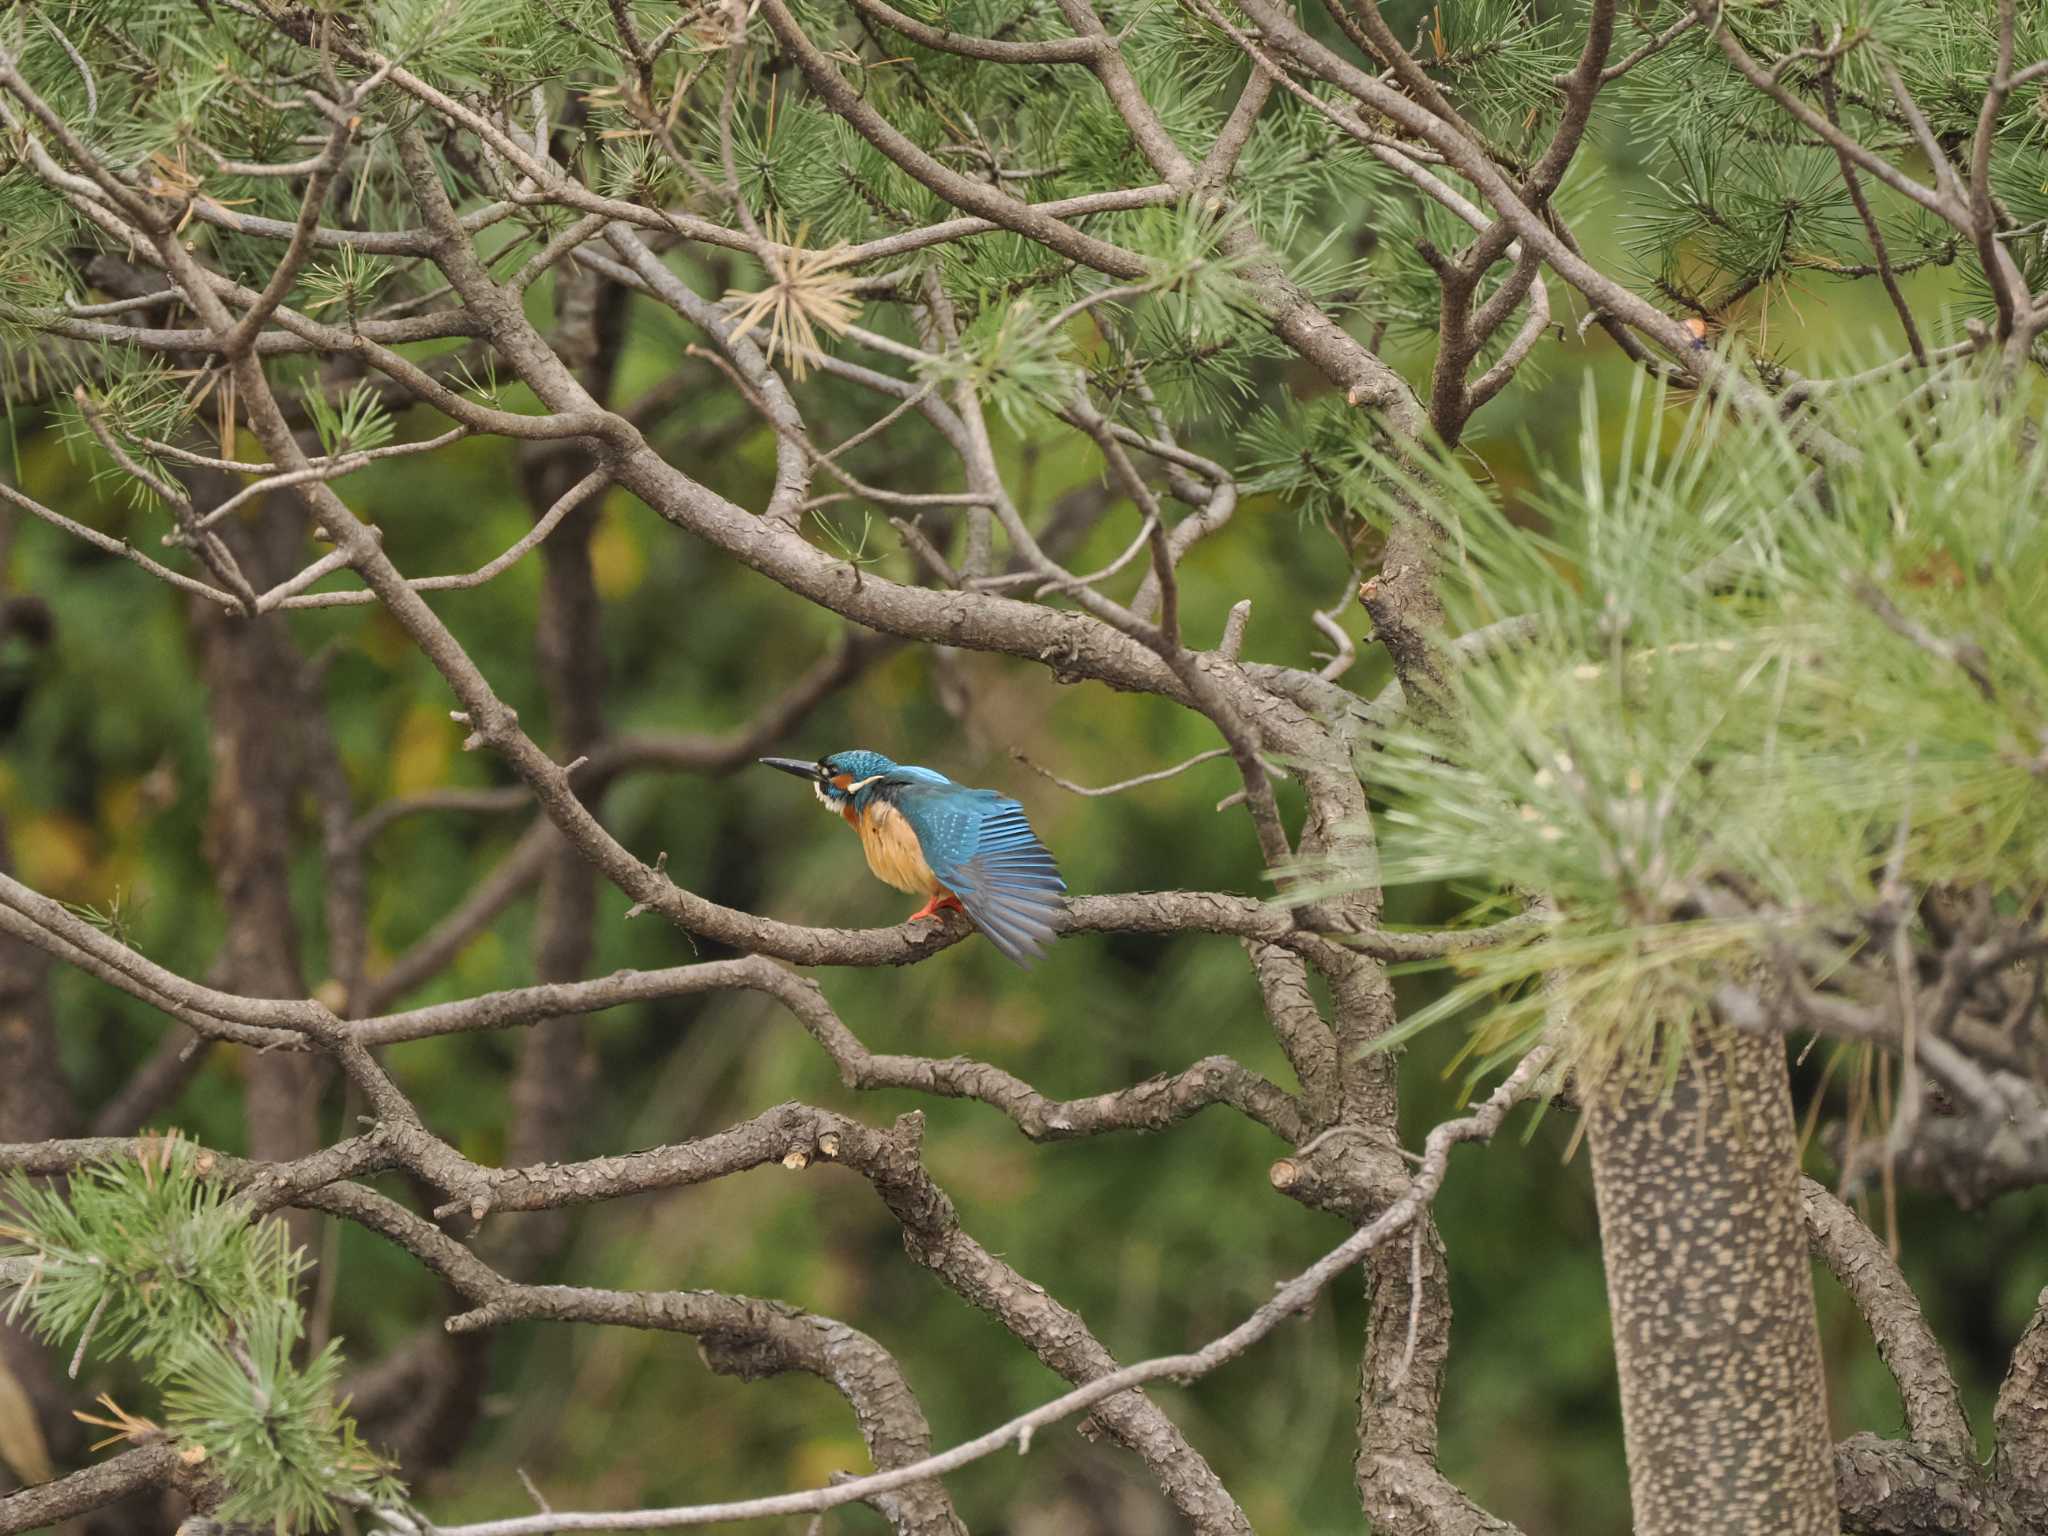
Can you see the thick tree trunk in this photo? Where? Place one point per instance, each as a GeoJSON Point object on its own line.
{"type": "Point", "coordinates": [553, 1083]}
{"type": "Point", "coordinates": [249, 665]}
{"type": "Point", "coordinates": [35, 1104]}
{"type": "Point", "coordinates": [1715, 1337]}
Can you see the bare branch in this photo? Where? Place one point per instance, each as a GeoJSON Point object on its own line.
{"type": "Point", "coordinates": [1289, 1299]}
{"type": "Point", "coordinates": [1853, 1253]}
{"type": "Point", "coordinates": [2021, 1419]}
{"type": "Point", "coordinates": [120, 547]}
{"type": "Point", "coordinates": [1853, 184]}
{"type": "Point", "coordinates": [47, 1505]}
{"type": "Point", "coordinates": [1122, 784]}
{"type": "Point", "coordinates": [972, 196]}
{"type": "Point", "coordinates": [1055, 50]}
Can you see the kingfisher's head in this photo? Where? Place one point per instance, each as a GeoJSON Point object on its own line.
{"type": "Point", "coordinates": [839, 778]}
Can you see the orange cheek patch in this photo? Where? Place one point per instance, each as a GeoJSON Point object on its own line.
{"type": "Point", "coordinates": [841, 781]}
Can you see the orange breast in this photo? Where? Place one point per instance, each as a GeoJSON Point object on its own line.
{"type": "Point", "coordinates": [892, 850]}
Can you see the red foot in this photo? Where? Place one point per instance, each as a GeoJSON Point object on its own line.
{"type": "Point", "coordinates": [932, 908]}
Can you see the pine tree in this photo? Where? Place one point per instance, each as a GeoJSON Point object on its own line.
{"type": "Point", "coordinates": [1728, 722]}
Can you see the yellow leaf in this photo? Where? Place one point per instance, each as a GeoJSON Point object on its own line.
{"type": "Point", "coordinates": [617, 565]}
{"type": "Point", "coordinates": [121, 803]}
{"type": "Point", "coordinates": [420, 751]}
{"type": "Point", "coordinates": [22, 1445]}
{"type": "Point", "coordinates": [383, 641]}
{"type": "Point", "coordinates": [55, 851]}
{"type": "Point", "coordinates": [812, 1463]}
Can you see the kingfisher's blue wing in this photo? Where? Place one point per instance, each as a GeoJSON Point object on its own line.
{"type": "Point", "coordinates": [984, 851]}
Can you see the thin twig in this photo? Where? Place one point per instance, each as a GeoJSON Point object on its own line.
{"type": "Point", "coordinates": [1123, 784]}
{"type": "Point", "coordinates": [121, 547]}
{"type": "Point", "coordinates": [1290, 1299]}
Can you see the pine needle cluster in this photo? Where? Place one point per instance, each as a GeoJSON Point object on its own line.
{"type": "Point", "coordinates": [1732, 674]}
{"type": "Point", "coordinates": [148, 1261]}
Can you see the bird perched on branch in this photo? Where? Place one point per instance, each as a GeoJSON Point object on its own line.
{"type": "Point", "coordinates": [969, 849]}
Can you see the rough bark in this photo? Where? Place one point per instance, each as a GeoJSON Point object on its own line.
{"type": "Point", "coordinates": [89, 1489]}
{"type": "Point", "coordinates": [35, 1098]}
{"type": "Point", "coordinates": [1716, 1341]}
{"type": "Point", "coordinates": [1908, 1347]}
{"type": "Point", "coordinates": [1896, 1488]}
{"type": "Point", "coordinates": [552, 1084]}
{"type": "Point", "coordinates": [35, 1105]}
{"type": "Point", "coordinates": [2021, 1419]}
{"type": "Point", "coordinates": [427, 1403]}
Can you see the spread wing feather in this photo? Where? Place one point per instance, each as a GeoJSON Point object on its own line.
{"type": "Point", "coordinates": [983, 850]}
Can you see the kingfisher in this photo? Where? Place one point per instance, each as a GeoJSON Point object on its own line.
{"type": "Point", "coordinates": [968, 849]}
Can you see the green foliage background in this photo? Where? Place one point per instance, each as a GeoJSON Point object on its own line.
{"type": "Point", "coordinates": [1160, 1242]}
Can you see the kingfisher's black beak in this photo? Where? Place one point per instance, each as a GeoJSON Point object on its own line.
{"type": "Point", "coordinates": [797, 766]}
